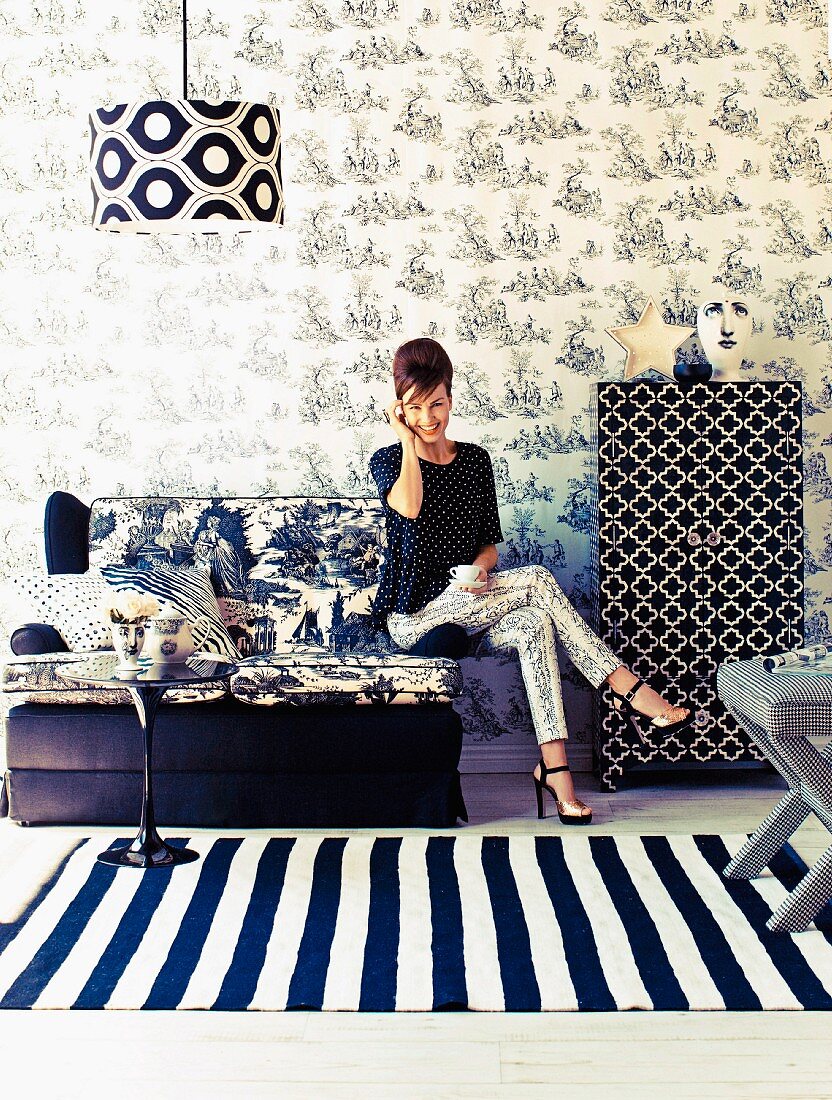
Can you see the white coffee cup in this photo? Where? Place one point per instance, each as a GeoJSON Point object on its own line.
{"type": "Point", "coordinates": [465, 574]}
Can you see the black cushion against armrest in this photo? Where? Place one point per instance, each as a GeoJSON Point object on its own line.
{"type": "Point", "coordinates": [445, 640]}
{"type": "Point", "coordinates": [34, 638]}
{"type": "Point", "coordinates": [66, 534]}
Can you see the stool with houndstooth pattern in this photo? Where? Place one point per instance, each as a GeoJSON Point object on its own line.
{"type": "Point", "coordinates": [780, 712]}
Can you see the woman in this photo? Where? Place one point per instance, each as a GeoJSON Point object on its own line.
{"type": "Point", "coordinates": [441, 510]}
{"type": "Point", "coordinates": [222, 559]}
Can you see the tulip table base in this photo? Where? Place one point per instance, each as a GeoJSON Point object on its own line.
{"type": "Point", "coordinates": [147, 849]}
{"type": "Point", "coordinates": [147, 687]}
{"type": "Point", "coordinates": [150, 851]}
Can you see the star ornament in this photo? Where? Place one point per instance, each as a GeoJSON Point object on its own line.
{"type": "Point", "coordinates": [650, 343]}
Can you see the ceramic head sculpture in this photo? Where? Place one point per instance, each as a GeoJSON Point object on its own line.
{"type": "Point", "coordinates": [723, 321]}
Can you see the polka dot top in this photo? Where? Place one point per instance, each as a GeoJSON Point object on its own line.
{"type": "Point", "coordinates": [458, 517]}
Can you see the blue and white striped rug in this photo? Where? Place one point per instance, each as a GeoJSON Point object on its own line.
{"type": "Point", "coordinates": [369, 923]}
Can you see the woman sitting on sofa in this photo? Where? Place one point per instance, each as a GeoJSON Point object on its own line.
{"type": "Point", "coordinates": [441, 511]}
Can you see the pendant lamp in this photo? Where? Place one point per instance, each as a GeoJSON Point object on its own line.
{"type": "Point", "coordinates": [185, 166]}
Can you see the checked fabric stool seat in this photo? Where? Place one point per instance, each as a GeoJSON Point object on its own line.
{"type": "Point", "coordinates": [781, 711]}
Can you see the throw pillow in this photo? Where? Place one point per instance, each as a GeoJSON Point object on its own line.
{"type": "Point", "coordinates": [70, 602]}
{"type": "Point", "coordinates": [187, 592]}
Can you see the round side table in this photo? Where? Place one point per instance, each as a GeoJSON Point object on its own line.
{"type": "Point", "coordinates": [147, 685]}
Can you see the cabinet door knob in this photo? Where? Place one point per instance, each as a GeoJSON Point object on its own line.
{"type": "Point", "coordinates": [694, 538]}
{"type": "Point", "coordinates": [713, 538]}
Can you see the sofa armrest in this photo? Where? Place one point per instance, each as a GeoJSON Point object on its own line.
{"type": "Point", "coordinates": [34, 638]}
{"type": "Point", "coordinates": [66, 534]}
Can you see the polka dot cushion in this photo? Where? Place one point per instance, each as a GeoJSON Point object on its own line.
{"type": "Point", "coordinates": [70, 602]}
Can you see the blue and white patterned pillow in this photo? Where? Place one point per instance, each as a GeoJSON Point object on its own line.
{"type": "Point", "coordinates": [186, 591]}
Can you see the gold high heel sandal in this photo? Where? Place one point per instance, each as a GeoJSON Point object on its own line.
{"type": "Point", "coordinates": [570, 812]}
{"type": "Point", "coordinates": [669, 721]}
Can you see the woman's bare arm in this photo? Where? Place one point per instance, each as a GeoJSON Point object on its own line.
{"type": "Point", "coordinates": [405, 497]}
{"type": "Point", "coordinates": [487, 558]}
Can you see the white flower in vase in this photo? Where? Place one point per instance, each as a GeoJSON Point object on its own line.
{"type": "Point", "coordinates": [130, 607]}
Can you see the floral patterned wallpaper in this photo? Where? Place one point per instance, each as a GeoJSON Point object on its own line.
{"type": "Point", "coordinates": [509, 176]}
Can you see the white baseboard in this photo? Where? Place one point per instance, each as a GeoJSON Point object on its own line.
{"type": "Point", "coordinates": [483, 757]}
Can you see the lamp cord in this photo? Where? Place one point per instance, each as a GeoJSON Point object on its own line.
{"type": "Point", "coordinates": [184, 49]}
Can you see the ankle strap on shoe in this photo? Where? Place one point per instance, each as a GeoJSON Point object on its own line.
{"type": "Point", "coordinates": [544, 771]}
{"type": "Point", "coordinates": [630, 694]}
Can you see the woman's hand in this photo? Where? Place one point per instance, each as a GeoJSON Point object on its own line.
{"type": "Point", "coordinates": [476, 591]}
{"type": "Point", "coordinates": [486, 559]}
{"type": "Point", "coordinates": [394, 415]}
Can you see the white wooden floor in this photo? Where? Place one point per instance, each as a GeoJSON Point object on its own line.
{"type": "Point", "coordinates": [619, 1056]}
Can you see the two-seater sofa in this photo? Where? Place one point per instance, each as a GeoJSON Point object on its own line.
{"type": "Point", "coordinates": [326, 723]}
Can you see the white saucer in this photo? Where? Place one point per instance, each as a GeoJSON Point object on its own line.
{"type": "Point", "coordinates": [470, 584]}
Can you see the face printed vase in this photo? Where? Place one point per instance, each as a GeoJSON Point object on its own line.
{"type": "Point", "coordinates": [128, 639]}
{"type": "Point", "coordinates": [723, 321]}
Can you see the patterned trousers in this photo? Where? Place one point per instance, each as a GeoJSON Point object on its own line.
{"type": "Point", "coordinates": [522, 609]}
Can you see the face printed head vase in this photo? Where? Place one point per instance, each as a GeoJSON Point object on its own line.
{"type": "Point", "coordinates": [723, 321]}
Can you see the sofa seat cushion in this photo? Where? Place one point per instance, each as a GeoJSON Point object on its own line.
{"type": "Point", "coordinates": [784, 704]}
{"type": "Point", "coordinates": [305, 676]}
{"type": "Point", "coordinates": [38, 679]}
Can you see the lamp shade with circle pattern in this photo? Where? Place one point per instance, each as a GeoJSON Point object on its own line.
{"type": "Point", "coordinates": [174, 166]}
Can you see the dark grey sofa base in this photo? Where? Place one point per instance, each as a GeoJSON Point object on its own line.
{"type": "Point", "coordinates": [236, 800]}
{"type": "Point", "coordinates": [230, 765]}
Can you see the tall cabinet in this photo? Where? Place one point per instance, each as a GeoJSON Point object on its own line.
{"type": "Point", "coordinates": [697, 552]}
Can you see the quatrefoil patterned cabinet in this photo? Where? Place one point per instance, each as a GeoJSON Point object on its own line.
{"type": "Point", "coordinates": [696, 525]}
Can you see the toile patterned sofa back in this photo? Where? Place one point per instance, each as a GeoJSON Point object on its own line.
{"type": "Point", "coordinates": [287, 571]}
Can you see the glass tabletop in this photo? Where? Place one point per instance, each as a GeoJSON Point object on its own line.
{"type": "Point", "coordinates": [103, 669]}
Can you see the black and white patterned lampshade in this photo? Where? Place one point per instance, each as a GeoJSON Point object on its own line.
{"type": "Point", "coordinates": [176, 166]}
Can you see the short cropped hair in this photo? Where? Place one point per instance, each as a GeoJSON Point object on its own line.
{"type": "Point", "coordinates": [421, 364]}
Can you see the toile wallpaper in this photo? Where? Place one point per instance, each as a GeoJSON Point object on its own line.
{"type": "Point", "coordinates": [509, 176]}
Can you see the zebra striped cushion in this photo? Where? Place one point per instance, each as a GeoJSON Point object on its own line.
{"type": "Point", "coordinates": [186, 591]}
